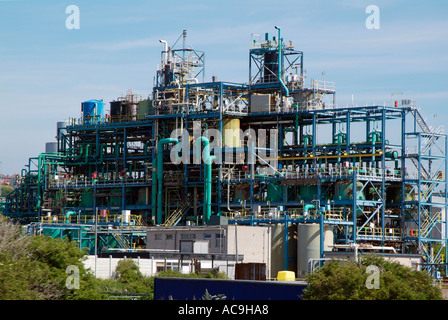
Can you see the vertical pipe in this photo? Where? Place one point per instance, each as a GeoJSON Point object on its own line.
{"type": "Point", "coordinates": [322, 235]}
{"type": "Point", "coordinates": [280, 62]}
{"type": "Point", "coordinates": [160, 145]}
{"type": "Point", "coordinates": [208, 175]}
{"type": "Point", "coordinates": [383, 164]}
{"type": "Point", "coordinates": [355, 198]}
{"type": "Point", "coordinates": [403, 168]}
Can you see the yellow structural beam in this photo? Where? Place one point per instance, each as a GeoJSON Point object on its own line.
{"type": "Point", "coordinates": [344, 155]}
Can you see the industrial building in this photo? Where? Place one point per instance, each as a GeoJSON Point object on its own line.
{"type": "Point", "coordinates": [275, 151]}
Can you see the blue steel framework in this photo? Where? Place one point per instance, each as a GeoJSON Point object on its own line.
{"type": "Point", "coordinates": [335, 166]}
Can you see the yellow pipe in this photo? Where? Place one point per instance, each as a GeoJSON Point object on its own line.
{"type": "Point", "coordinates": [334, 156]}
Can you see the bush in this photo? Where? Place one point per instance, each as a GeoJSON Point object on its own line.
{"type": "Point", "coordinates": [347, 280]}
{"type": "Point", "coordinates": [35, 267]}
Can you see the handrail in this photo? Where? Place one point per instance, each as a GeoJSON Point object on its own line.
{"type": "Point", "coordinates": [135, 220]}
{"type": "Point", "coordinates": [378, 232]}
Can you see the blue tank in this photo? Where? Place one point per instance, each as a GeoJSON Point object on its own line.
{"type": "Point", "coordinates": [92, 111]}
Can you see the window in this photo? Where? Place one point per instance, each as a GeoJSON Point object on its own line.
{"type": "Point", "coordinates": [160, 266]}
{"type": "Point", "coordinates": [157, 236]}
{"type": "Point", "coordinates": [188, 236]}
{"type": "Point", "coordinates": [219, 241]}
{"type": "Point", "coordinates": [169, 237]}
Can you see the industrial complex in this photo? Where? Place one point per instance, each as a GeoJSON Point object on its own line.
{"type": "Point", "coordinates": [272, 172]}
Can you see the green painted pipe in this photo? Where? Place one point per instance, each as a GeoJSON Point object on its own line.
{"type": "Point", "coordinates": [372, 137]}
{"type": "Point", "coordinates": [208, 175]}
{"type": "Point", "coordinates": [308, 207]}
{"type": "Point", "coordinates": [67, 216]}
{"type": "Point", "coordinates": [160, 145]}
{"type": "Point", "coordinates": [280, 66]}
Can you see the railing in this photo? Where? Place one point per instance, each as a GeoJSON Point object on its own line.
{"type": "Point", "coordinates": [322, 85]}
{"type": "Point", "coordinates": [319, 173]}
{"type": "Point", "coordinates": [377, 233]}
{"type": "Point", "coordinates": [295, 213]}
{"type": "Point", "coordinates": [134, 220]}
{"type": "Point", "coordinates": [62, 182]}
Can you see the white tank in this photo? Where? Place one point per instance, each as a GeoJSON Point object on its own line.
{"type": "Point", "coordinates": [308, 245]}
{"type": "Point", "coordinates": [60, 127]}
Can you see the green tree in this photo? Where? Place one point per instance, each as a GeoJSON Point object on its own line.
{"type": "Point", "coordinates": [131, 280]}
{"type": "Point", "coordinates": [127, 271]}
{"type": "Point", "coordinates": [51, 258]}
{"type": "Point", "coordinates": [35, 267]}
{"type": "Point", "coordinates": [348, 280]}
{"type": "Point", "coordinates": [5, 189]}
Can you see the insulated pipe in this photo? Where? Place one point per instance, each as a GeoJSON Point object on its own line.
{"type": "Point", "coordinates": [208, 176]}
{"type": "Point", "coordinates": [166, 51]}
{"type": "Point", "coordinates": [280, 60]}
{"type": "Point", "coordinates": [160, 145]}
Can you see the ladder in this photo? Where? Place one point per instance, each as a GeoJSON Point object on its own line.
{"type": "Point", "coordinates": [177, 214]}
{"type": "Point", "coordinates": [123, 241]}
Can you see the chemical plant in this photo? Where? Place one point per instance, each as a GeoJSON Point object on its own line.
{"type": "Point", "coordinates": [215, 173]}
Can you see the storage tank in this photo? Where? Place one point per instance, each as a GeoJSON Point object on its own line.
{"type": "Point", "coordinates": [61, 128]}
{"type": "Point", "coordinates": [231, 129]}
{"type": "Point", "coordinates": [308, 245]}
{"type": "Point", "coordinates": [51, 147]}
{"type": "Point", "coordinates": [92, 111]}
{"type": "Point", "coordinates": [61, 131]}
{"type": "Point", "coordinates": [144, 109]}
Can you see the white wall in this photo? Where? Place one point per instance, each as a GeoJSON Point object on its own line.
{"type": "Point", "coordinates": [105, 267]}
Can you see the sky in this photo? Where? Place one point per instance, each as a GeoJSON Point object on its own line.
{"type": "Point", "coordinates": [48, 69]}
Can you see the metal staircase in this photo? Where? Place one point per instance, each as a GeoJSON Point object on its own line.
{"type": "Point", "coordinates": [177, 214]}
{"type": "Point", "coordinates": [122, 241]}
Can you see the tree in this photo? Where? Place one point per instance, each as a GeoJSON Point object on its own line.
{"type": "Point", "coordinates": [127, 271]}
{"type": "Point", "coordinates": [349, 280]}
{"type": "Point", "coordinates": [34, 267]}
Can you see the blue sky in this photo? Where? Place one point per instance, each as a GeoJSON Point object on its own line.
{"type": "Point", "coordinates": [47, 70]}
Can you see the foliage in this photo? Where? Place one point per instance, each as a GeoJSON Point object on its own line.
{"type": "Point", "coordinates": [346, 280]}
{"type": "Point", "coordinates": [208, 296]}
{"type": "Point", "coordinates": [5, 189]}
{"type": "Point", "coordinates": [35, 267]}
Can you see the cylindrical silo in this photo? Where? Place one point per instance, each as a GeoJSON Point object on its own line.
{"type": "Point", "coordinates": [328, 237]}
{"type": "Point", "coordinates": [308, 245]}
{"type": "Point", "coordinates": [144, 109]}
{"type": "Point", "coordinates": [92, 111]}
{"type": "Point", "coordinates": [231, 129]}
{"type": "Point", "coordinates": [51, 147]}
{"type": "Point", "coordinates": [61, 131]}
